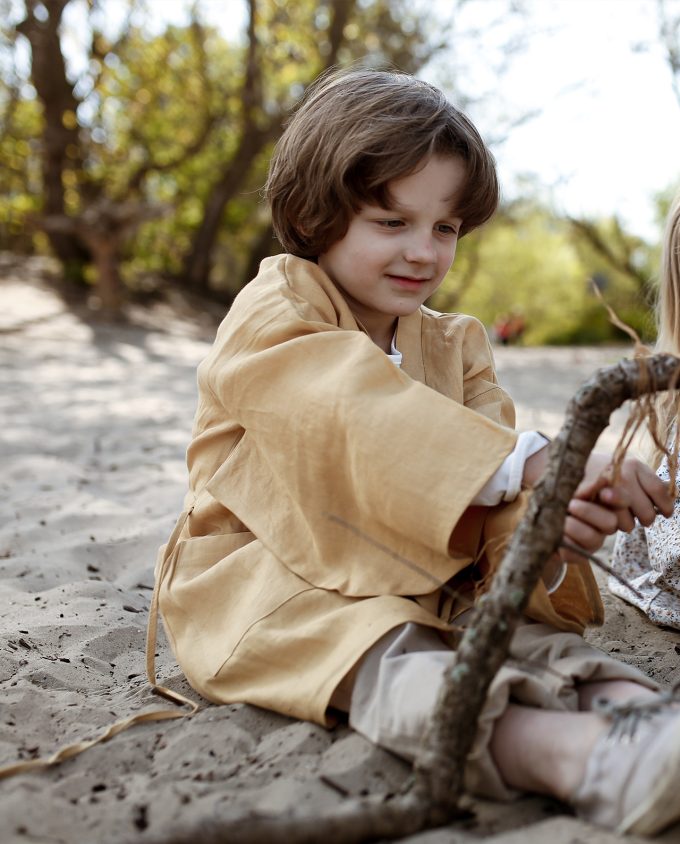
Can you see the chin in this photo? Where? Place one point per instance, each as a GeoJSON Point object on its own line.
{"type": "Point", "coordinates": [406, 309]}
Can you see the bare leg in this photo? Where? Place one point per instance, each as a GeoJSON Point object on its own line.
{"type": "Point", "coordinates": [546, 751]}
{"type": "Point", "coordinates": [617, 690]}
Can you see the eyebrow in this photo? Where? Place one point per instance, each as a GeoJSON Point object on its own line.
{"type": "Point", "coordinates": [405, 209]}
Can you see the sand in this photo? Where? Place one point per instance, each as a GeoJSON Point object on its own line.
{"type": "Point", "coordinates": [95, 420]}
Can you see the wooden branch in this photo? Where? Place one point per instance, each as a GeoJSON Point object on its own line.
{"type": "Point", "coordinates": [432, 798]}
{"type": "Point", "coordinates": [357, 820]}
{"type": "Point", "coordinates": [600, 564]}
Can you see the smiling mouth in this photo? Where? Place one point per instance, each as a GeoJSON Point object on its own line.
{"type": "Point", "coordinates": [407, 280]}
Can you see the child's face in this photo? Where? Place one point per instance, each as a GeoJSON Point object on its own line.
{"type": "Point", "coordinates": [392, 259]}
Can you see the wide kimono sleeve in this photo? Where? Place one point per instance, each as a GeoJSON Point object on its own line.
{"type": "Point", "coordinates": [485, 532]}
{"type": "Point", "coordinates": [341, 464]}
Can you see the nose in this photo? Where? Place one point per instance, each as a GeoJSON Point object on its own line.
{"type": "Point", "coordinates": [420, 248]}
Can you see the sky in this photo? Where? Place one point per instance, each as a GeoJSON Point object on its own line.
{"type": "Point", "coordinates": [605, 135]}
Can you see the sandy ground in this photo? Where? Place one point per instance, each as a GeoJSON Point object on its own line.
{"type": "Point", "coordinates": [95, 421]}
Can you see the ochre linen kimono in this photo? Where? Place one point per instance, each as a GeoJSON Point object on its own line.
{"type": "Point", "coordinates": [314, 462]}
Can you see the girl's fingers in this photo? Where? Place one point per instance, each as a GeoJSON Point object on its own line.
{"type": "Point", "coordinates": [640, 492]}
{"type": "Point", "coordinates": [626, 520]}
{"type": "Point", "coordinates": [657, 490]}
{"type": "Point", "coordinates": [649, 495]}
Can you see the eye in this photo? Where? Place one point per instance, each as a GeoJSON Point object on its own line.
{"type": "Point", "coordinates": [447, 229]}
{"type": "Point", "coordinates": [390, 224]}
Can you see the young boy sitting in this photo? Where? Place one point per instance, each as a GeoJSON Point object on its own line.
{"type": "Point", "coordinates": [344, 428]}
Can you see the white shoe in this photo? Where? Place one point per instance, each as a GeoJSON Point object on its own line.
{"type": "Point", "coordinates": [632, 779]}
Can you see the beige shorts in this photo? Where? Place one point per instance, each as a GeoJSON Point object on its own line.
{"type": "Point", "coordinates": [398, 680]}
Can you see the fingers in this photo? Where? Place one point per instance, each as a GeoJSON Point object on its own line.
{"type": "Point", "coordinates": [616, 497]}
{"type": "Point", "coordinates": [594, 476]}
{"type": "Point", "coordinates": [580, 533]}
{"type": "Point", "coordinates": [626, 520]}
{"type": "Point", "coordinates": [601, 518]}
{"type": "Point", "coordinates": [640, 491]}
{"type": "Point", "coordinates": [600, 507]}
{"type": "Point", "coordinates": [657, 490]}
{"type": "Point", "coordinates": [637, 493]}
{"type": "Point", "coordinates": [610, 503]}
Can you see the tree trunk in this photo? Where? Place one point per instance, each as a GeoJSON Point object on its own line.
{"type": "Point", "coordinates": [198, 262]}
{"type": "Point", "coordinates": [61, 145]}
{"type": "Point", "coordinates": [105, 255]}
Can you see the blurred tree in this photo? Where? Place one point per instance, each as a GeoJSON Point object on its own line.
{"type": "Point", "coordinates": [128, 122]}
{"type": "Point", "coordinates": [60, 150]}
{"type": "Point", "coordinates": [20, 175]}
{"type": "Point", "coordinates": [623, 266]}
{"type": "Point", "coordinates": [625, 253]}
{"type": "Point", "coordinates": [529, 262]}
{"type": "Point", "coordinates": [91, 177]}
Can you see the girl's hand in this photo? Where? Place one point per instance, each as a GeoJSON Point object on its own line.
{"type": "Point", "coordinates": [638, 493]}
{"type": "Point", "coordinates": [599, 507]}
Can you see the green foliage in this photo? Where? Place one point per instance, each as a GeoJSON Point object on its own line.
{"type": "Point", "coordinates": [20, 182]}
{"type": "Point", "coordinates": [530, 263]}
{"type": "Point", "coordinates": [161, 116]}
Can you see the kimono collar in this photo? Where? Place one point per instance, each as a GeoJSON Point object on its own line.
{"type": "Point", "coordinates": [409, 328]}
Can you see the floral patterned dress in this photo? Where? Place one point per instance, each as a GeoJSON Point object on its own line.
{"type": "Point", "coordinates": [649, 559]}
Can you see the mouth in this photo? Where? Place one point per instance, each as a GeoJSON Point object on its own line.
{"type": "Point", "coordinates": [408, 281]}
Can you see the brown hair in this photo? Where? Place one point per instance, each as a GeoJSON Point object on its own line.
{"type": "Point", "coordinates": [353, 133]}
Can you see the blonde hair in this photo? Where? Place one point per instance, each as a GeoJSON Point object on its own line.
{"type": "Point", "coordinates": [668, 307]}
{"type": "Point", "coordinates": [353, 133]}
{"type": "Point", "coordinates": [668, 315]}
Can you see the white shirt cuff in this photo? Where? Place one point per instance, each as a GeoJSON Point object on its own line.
{"type": "Point", "coordinates": [506, 482]}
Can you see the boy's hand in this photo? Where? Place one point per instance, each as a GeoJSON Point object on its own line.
{"type": "Point", "coordinates": [587, 525]}
{"type": "Point", "coordinates": [638, 493]}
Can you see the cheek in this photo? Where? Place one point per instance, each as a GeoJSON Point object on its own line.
{"type": "Point", "coordinates": [446, 256]}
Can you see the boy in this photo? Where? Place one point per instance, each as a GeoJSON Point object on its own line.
{"type": "Point", "coordinates": [343, 429]}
